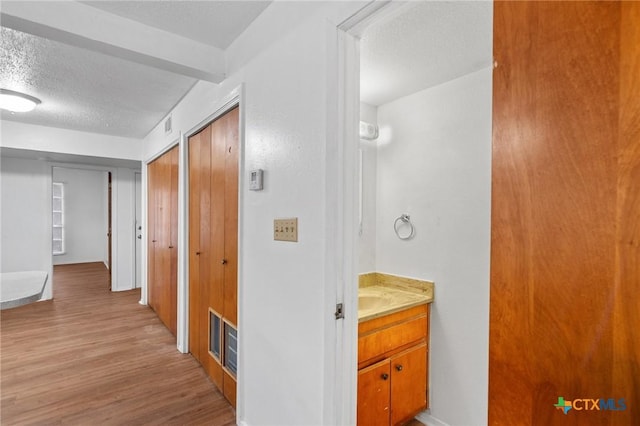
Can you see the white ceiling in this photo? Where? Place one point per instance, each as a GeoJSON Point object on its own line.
{"type": "Point", "coordinates": [118, 67]}
{"type": "Point", "coordinates": [216, 23]}
{"type": "Point", "coordinates": [424, 44]}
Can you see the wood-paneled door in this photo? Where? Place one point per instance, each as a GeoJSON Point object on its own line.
{"type": "Point", "coordinates": [162, 176]}
{"type": "Point", "coordinates": [565, 238]}
{"type": "Point", "coordinates": [213, 249]}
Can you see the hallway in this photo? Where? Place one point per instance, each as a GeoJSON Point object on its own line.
{"type": "Point", "coordinates": [95, 357]}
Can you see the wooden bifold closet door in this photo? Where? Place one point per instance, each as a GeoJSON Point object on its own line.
{"type": "Point", "coordinates": [162, 176]}
{"type": "Point", "coordinates": [213, 247]}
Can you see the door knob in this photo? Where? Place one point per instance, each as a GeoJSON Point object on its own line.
{"type": "Point", "coordinates": [384, 376]}
{"type": "Point", "coordinates": [399, 367]}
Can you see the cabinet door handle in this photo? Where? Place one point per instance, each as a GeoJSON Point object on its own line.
{"type": "Point", "coordinates": [197, 253]}
{"type": "Point", "coordinates": [384, 376]}
{"type": "Point", "coordinates": [399, 367]}
{"type": "Point", "coordinates": [223, 261]}
{"type": "Point", "coordinates": [170, 246]}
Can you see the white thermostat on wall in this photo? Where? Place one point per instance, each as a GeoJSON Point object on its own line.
{"type": "Point", "coordinates": [255, 180]}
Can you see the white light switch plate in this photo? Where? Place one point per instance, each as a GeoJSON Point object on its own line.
{"type": "Point", "coordinates": [285, 229]}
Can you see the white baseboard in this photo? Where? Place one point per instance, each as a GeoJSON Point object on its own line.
{"type": "Point", "coordinates": [429, 420]}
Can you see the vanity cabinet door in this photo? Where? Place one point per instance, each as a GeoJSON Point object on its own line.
{"type": "Point", "coordinates": [374, 385]}
{"type": "Point", "coordinates": [408, 383]}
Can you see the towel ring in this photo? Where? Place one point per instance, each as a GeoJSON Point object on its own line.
{"type": "Point", "coordinates": [404, 219]}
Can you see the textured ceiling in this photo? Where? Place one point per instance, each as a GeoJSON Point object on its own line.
{"type": "Point", "coordinates": [216, 23]}
{"type": "Point", "coordinates": [71, 56]}
{"type": "Point", "coordinates": [422, 45]}
{"type": "Point", "coordinates": [85, 90]}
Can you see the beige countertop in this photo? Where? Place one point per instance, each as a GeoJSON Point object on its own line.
{"type": "Point", "coordinates": [382, 294]}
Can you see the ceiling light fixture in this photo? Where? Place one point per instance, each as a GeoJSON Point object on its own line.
{"type": "Point", "coordinates": [16, 101]}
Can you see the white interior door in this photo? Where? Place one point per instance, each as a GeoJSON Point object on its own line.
{"type": "Point", "coordinates": [138, 229]}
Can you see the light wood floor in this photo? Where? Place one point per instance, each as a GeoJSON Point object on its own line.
{"type": "Point", "coordinates": [92, 357]}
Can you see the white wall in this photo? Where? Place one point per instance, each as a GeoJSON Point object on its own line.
{"type": "Point", "coordinates": [27, 182]}
{"type": "Point", "coordinates": [85, 222]}
{"type": "Point", "coordinates": [25, 223]}
{"type": "Point", "coordinates": [367, 240]}
{"type": "Point", "coordinates": [284, 319]}
{"type": "Point", "coordinates": [434, 163]}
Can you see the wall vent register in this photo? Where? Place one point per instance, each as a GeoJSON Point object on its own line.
{"type": "Point", "coordinates": [214, 334]}
{"type": "Point", "coordinates": [227, 339]}
{"type": "Point", "coordinates": [230, 349]}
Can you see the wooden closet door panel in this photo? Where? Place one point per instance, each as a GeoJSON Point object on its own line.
{"type": "Point", "coordinates": [216, 295]}
{"type": "Point", "coordinates": [160, 243]}
{"type": "Point", "coordinates": [173, 242]}
{"type": "Point", "coordinates": [195, 144]}
{"type": "Point", "coordinates": [152, 191]}
{"type": "Point", "coordinates": [205, 248]}
{"type": "Point", "coordinates": [232, 146]}
{"type": "Point", "coordinates": [155, 287]}
{"type": "Point", "coordinates": [214, 267]}
{"type": "Point", "coordinates": [164, 255]}
{"type": "Point", "coordinates": [163, 205]}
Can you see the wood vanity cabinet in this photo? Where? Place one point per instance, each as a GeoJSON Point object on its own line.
{"type": "Point", "coordinates": [393, 367]}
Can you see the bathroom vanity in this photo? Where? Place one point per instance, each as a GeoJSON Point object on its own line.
{"type": "Point", "coordinates": [393, 347]}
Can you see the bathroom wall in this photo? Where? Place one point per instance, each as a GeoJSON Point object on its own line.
{"type": "Point", "coordinates": [368, 149]}
{"type": "Point", "coordinates": [434, 163]}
